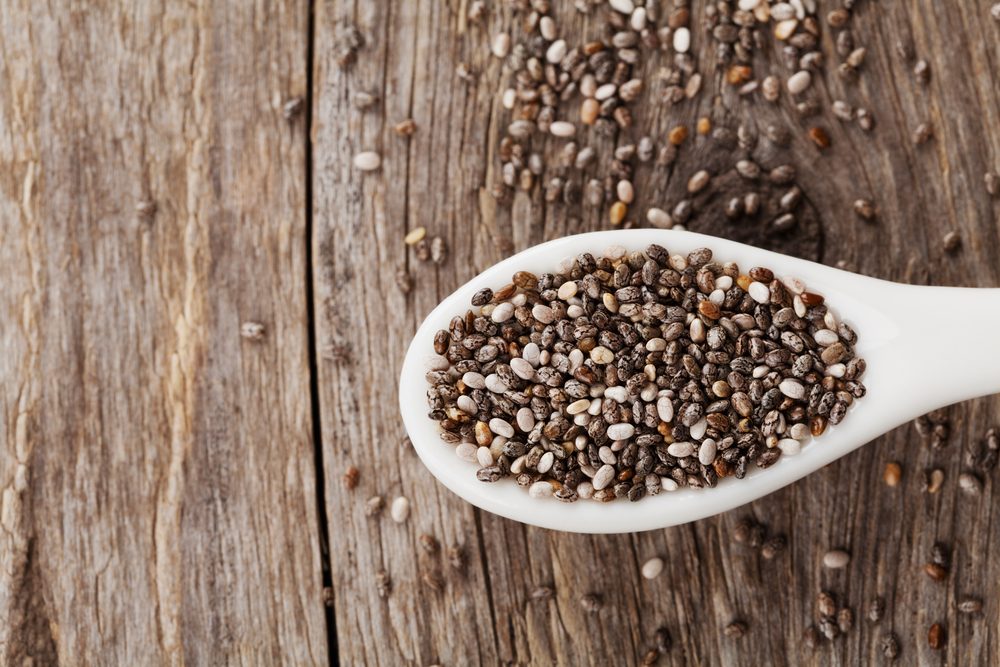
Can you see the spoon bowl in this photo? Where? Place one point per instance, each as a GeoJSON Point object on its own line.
{"type": "Point", "coordinates": [926, 347]}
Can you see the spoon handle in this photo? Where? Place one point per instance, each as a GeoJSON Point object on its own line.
{"type": "Point", "coordinates": [948, 344]}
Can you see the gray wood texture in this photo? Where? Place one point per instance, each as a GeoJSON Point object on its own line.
{"type": "Point", "coordinates": [156, 469]}
{"type": "Point", "coordinates": [160, 474]}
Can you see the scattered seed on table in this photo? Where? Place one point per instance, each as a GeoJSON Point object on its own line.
{"type": "Point", "coordinates": [784, 223]}
{"type": "Point", "coordinates": [463, 72]}
{"type": "Point", "coordinates": [348, 40]}
{"type": "Point", "coordinates": [659, 218]}
{"type": "Point", "coordinates": [400, 509]}
{"type": "Point", "coordinates": [625, 191]}
{"type": "Point", "coordinates": [429, 543]}
{"type": "Point", "coordinates": [845, 620]}
{"type": "Point", "coordinates": [807, 108]}
{"type": "Point", "coordinates": [561, 128]}
{"type": "Point", "coordinates": [773, 547]}
{"type": "Point", "coordinates": [995, 12]}
{"type": "Point", "coordinates": [374, 505]}
{"type": "Point", "coordinates": [364, 99]}
{"type": "Point", "coordinates": [501, 45]}
{"type": "Point", "coordinates": [992, 181]}
{"type": "Point", "coordinates": [253, 331]}
{"type": "Point", "coordinates": [876, 608]}
{"type": "Point", "coordinates": [819, 137]}
{"type": "Point", "coordinates": [970, 606]}
{"type": "Point", "coordinates": [782, 174]}
{"type": "Point", "coordinates": [439, 250]}
{"type": "Point", "coordinates": [383, 584]}
{"type": "Point", "coordinates": [650, 658]}
{"type": "Point", "coordinates": [892, 474]}
{"type": "Point", "coordinates": [828, 627]}
{"type": "Point", "coordinates": [737, 75]}
{"type": "Point", "coordinates": [591, 603]}
{"type": "Point", "coordinates": [864, 209]}
{"type": "Point", "coordinates": [923, 426]}
{"type": "Point", "coordinates": [935, 571]}
{"type": "Point", "coordinates": [986, 458]}
{"type": "Point", "coordinates": [779, 135]}
{"type": "Point", "coordinates": [405, 128]}
{"type": "Point", "coordinates": [293, 108]}
{"type": "Point", "coordinates": [351, 477]}
{"type": "Point", "coordinates": [856, 57]}
{"type": "Point", "coordinates": [403, 280]}
{"type": "Point", "coordinates": [970, 483]}
{"type": "Point", "coordinates": [477, 11]}
{"type": "Point", "coordinates": [922, 72]}
{"type": "Point", "coordinates": [922, 133]}
{"type": "Point", "coordinates": [698, 181]}
{"type": "Point", "coordinates": [415, 236]}
{"type": "Point", "coordinates": [770, 88]}
{"type": "Point", "coordinates": [682, 40]}
{"type": "Point", "coordinates": [652, 568]}
{"type": "Point", "coordinates": [645, 150]}
{"type": "Point", "coordinates": [617, 213]}
{"type": "Point", "coordinates": [547, 27]}
{"type": "Point", "coordinates": [933, 479]}
{"type": "Point", "coordinates": [677, 135]}
{"type": "Point", "coordinates": [741, 533]}
{"type": "Point", "coordinates": [663, 640]}
{"type": "Point", "coordinates": [889, 646]}
{"type": "Point", "coordinates": [826, 604]}
{"type": "Point", "coordinates": [838, 18]}
{"type": "Point", "coordinates": [146, 209]}
{"type": "Point", "coordinates": [941, 554]}
{"type": "Point", "coordinates": [939, 438]}
{"type": "Point", "coordinates": [704, 126]}
{"type": "Point", "coordinates": [367, 161]}
{"type": "Point", "coordinates": [936, 637]}
{"type": "Point", "coordinates": [784, 28]}
{"type": "Point", "coordinates": [735, 630]}
{"type": "Point", "coordinates": [790, 199]}
{"type": "Point", "coordinates": [836, 559]}
{"type": "Point", "coordinates": [798, 82]}
{"type": "Point", "coordinates": [843, 110]}
{"type": "Point", "coordinates": [865, 119]}
{"type": "Point", "coordinates": [748, 169]}
{"type": "Point", "coordinates": [734, 208]}
{"type": "Point", "coordinates": [952, 241]}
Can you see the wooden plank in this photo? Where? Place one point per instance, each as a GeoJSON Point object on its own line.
{"type": "Point", "coordinates": [363, 322]}
{"type": "Point", "coordinates": [156, 470]}
{"type": "Point", "coordinates": [441, 179]}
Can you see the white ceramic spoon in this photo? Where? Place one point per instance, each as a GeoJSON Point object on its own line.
{"type": "Point", "coordinates": [926, 347]}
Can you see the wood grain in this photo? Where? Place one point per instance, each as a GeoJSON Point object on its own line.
{"type": "Point", "coordinates": [156, 469]}
{"type": "Point", "coordinates": [441, 179]}
{"type": "Point", "coordinates": [158, 478]}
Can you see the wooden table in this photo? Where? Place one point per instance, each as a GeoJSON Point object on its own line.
{"type": "Point", "coordinates": [171, 491]}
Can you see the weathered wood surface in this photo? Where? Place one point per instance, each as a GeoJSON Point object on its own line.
{"type": "Point", "coordinates": [158, 485]}
{"type": "Point", "coordinates": [156, 469]}
{"type": "Point", "coordinates": [440, 179]}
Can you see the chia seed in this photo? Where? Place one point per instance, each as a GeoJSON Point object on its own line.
{"type": "Point", "coordinates": [632, 373]}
